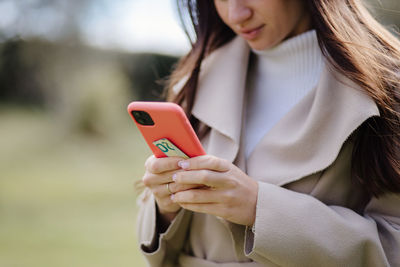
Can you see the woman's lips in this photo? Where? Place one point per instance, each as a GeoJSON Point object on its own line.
{"type": "Point", "coordinates": [250, 34]}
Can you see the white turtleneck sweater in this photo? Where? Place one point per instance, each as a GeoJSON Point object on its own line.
{"type": "Point", "coordinates": [278, 80]}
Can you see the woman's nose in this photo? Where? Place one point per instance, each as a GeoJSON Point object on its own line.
{"type": "Point", "coordinates": [239, 11]}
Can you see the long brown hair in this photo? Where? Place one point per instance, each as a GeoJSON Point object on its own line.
{"type": "Point", "coordinates": [355, 44]}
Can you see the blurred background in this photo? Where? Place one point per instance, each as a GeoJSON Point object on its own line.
{"type": "Point", "coordinates": [69, 153]}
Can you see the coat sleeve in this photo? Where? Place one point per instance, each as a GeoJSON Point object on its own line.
{"type": "Point", "coordinates": [160, 249]}
{"type": "Point", "coordinates": [295, 229]}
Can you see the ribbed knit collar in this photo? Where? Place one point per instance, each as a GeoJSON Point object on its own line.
{"type": "Point", "coordinates": [299, 57]}
{"type": "Point", "coordinates": [303, 42]}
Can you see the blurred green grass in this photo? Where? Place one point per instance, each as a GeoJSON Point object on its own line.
{"type": "Point", "coordinates": [67, 199]}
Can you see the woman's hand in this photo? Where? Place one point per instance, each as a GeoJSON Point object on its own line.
{"type": "Point", "coordinates": [229, 192]}
{"type": "Point", "coordinates": [159, 172]}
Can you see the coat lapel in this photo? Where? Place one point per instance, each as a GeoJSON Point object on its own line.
{"type": "Point", "coordinates": [220, 97]}
{"type": "Point", "coordinates": [306, 140]}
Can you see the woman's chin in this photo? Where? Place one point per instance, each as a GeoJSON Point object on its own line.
{"type": "Point", "coordinates": [261, 45]}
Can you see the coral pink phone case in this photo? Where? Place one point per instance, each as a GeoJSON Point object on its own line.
{"type": "Point", "coordinates": [170, 122]}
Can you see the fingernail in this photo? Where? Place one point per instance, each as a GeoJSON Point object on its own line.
{"type": "Point", "coordinates": [174, 177]}
{"type": "Point", "coordinates": [183, 164]}
{"type": "Point", "coordinates": [172, 197]}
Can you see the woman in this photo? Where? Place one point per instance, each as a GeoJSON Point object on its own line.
{"type": "Point", "coordinates": [297, 105]}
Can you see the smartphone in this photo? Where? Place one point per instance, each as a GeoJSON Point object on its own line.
{"type": "Point", "coordinates": [166, 129]}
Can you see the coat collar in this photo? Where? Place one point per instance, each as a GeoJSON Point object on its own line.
{"type": "Point", "coordinates": [220, 96]}
{"type": "Point", "coordinates": [306, 140]}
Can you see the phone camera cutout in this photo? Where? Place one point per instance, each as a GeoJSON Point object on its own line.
{"type": "Point", "coordinates": [142, 117]}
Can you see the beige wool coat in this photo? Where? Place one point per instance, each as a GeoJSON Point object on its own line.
{"type": "Point", "coordinates": [309, 213]}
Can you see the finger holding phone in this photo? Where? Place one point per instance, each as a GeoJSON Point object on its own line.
{"type": "Point", "coordinates": [158, 178]}
{"type": "Point", "coordinates": [230, 193]}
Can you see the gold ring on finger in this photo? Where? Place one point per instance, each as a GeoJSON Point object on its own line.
{"type": "Point", "coordinates": [169, 190]}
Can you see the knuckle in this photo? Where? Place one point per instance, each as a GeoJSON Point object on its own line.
{"type": "Point", "coordinates": [229, 197]}
{"type": "Point", "coordinates": [146, 179]}
{"type": "Point", "coordinates": [203, 176]}
{"type": "Point", "coordinates": [223, 165]}
{"type": "Point", "coordinates": [213, 159]}
{"type": "Point", "coordinates": [225, 162]}
{"type": "Point", "coordinates": [233, 183]}
{"type": "Point", "coordinates": [154, 166]}
{"type": "Point", "coordinates": [218, 163]}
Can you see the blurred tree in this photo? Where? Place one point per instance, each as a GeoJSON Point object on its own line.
{"type": "Point", "coordinates": [148, 74]}
{"type": "Point", "coordinates": [51, 19]}
{"type": "Point", "coordinates": [19, 79]}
